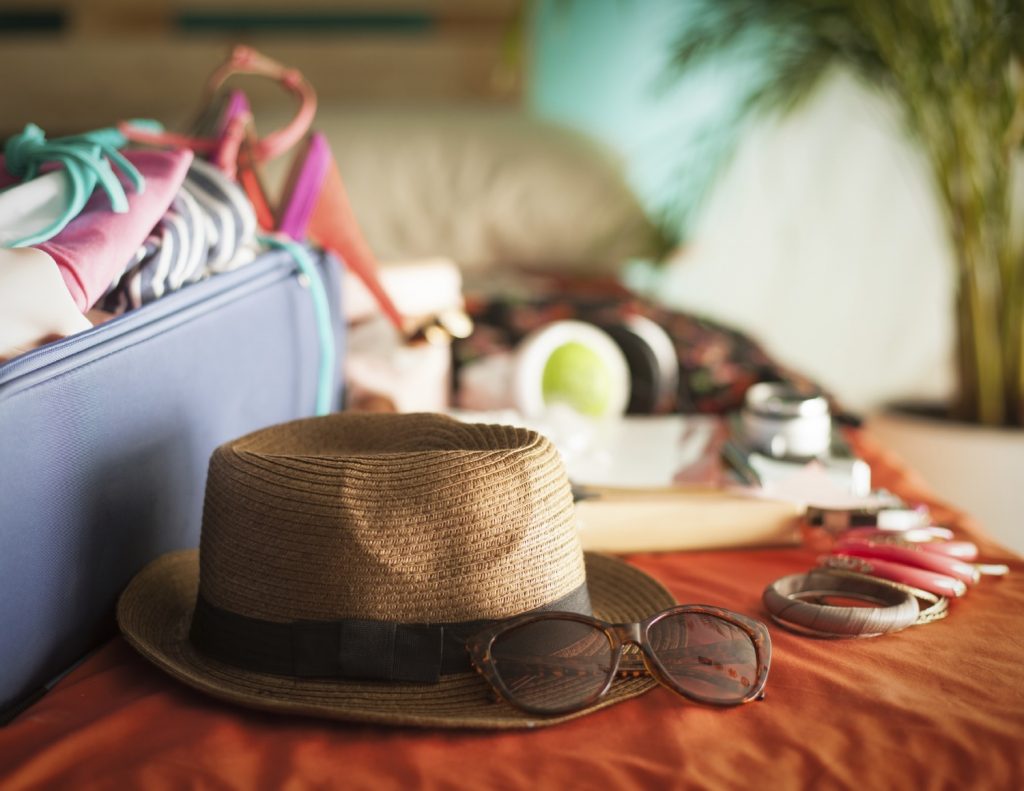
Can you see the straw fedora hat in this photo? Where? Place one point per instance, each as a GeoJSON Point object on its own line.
{"type": "Point", "coordinates": [344, 560]}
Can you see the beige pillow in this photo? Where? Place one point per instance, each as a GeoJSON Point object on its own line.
{"type": "Point", "coordinates": [486, 188]}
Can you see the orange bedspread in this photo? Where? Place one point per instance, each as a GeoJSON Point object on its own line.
{"type": "Point", "coordinates": [934, 707]}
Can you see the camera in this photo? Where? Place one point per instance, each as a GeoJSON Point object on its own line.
{"type": "Point", "coordinates": [781, 428]}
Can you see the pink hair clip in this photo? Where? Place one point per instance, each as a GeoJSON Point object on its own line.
{"type": "Point", "coordinates": [931, 581]}
{"type": "Point", "coordinates": [911, 556]}
{"type": "Point", "coordinates": [962, 550]}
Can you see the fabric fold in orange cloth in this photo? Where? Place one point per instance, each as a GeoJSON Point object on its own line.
{"type": "Point", "coordinates": [935, 706]}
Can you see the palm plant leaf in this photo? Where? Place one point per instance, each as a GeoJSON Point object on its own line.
{"type": "Point", "coordinates": [955, 67]}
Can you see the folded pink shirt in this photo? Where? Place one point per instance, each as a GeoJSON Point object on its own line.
{"type": "Point", "coordinates": [93, 249]}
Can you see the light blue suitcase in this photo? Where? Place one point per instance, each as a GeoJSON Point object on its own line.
{"type": "Point", "coordinates": [105, 439]}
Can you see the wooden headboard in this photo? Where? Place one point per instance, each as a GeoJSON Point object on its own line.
{"type": "Point", "coordinates": [70, 65]}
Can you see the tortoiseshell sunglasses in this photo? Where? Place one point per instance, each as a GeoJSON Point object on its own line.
{"type": "Point", "coordinates": [561, 662]}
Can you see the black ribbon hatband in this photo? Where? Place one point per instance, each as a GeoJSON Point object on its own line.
{"type": "Point", "coordinates": [351, 648]}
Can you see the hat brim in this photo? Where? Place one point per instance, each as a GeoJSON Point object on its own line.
{"type": "Point", "coordinates": [155, 613]}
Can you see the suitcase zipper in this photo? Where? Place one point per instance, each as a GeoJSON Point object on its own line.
{"type": "Point", "coordinates": [150, 319]}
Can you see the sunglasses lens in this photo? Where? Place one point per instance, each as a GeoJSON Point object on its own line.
{"type": "Point", "coordinates": [705, 656]}
{"type": "Point", "coordinates": [553, 665]}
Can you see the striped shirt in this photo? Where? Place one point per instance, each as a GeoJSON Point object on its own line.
{"type": "Point", "coordinates": [210, 227]}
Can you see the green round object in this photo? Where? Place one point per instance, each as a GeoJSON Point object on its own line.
{"type": "Point", "coordinates": [578, 376]}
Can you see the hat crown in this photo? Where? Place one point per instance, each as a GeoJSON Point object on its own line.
{"type": "Point", "coordinates": [407, 518]}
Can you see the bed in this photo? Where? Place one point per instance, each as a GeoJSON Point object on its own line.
{"type": "Point", "coordinates": [933, 707]}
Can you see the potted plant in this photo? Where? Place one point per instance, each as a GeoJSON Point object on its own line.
{"type": "Point", "coordinates": [955, 69]}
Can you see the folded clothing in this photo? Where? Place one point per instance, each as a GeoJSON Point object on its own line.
{"type": "Point", "coordinates": [189, 222]}
{"type": "Point", "coordinates": [91, 250]}
{"type": "Point", "coordinates": [210, 227]}
{"type": "Point", "coordinates": [34, 303]}
{"type": "Point", "coordinates": [26, 208]}
{"type": "Point", "coordinates": [46, 288]}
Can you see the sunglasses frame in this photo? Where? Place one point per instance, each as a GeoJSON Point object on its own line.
{"type": "Point", "coordinates": [620, 635]}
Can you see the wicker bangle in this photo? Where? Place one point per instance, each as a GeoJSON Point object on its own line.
{"type": "Point", "coordinates": [796, 602]}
